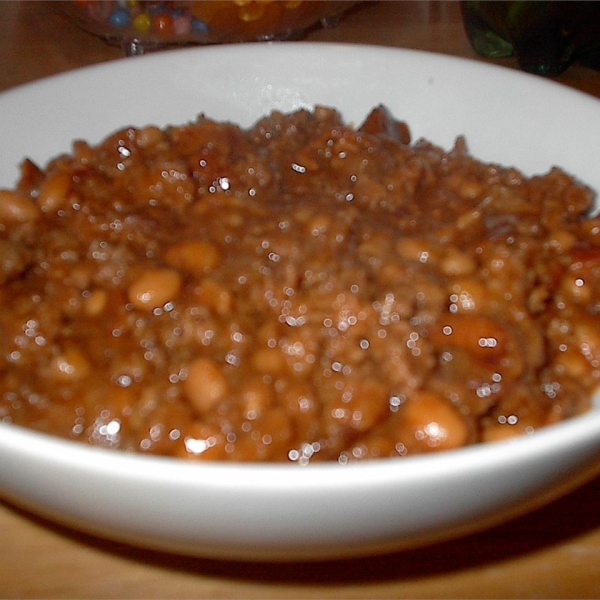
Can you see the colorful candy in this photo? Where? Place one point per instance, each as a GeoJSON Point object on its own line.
{"type": "Point", "coordinates": [159, 23]}
{"type": "Point", "coordinates": [142, 23]}
{"type": "Point", "coordinates": [119, 18]}
{"type": "Point", "coordinates": [164, 19]}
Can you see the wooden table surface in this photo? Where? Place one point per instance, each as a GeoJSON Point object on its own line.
{"type": "Point", "coordinates": [551, 553]}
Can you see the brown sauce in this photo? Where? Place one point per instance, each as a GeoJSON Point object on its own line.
{"type": "Point", "coordinates": [298, 291]}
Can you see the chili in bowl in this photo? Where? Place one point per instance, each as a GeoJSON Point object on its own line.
{"type": "Point", "coordinates": [297, 337]}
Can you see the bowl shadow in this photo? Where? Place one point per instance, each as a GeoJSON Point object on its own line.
{"type": "Point", "coordinates": [565, 519]}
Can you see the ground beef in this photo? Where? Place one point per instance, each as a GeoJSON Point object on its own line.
{"type": "Point", "coordinates": [298, 291]}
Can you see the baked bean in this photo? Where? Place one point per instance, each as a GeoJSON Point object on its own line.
{"type": "Point", "coordinates": [70, 365]}
{"type": "Point", "coordinates": [376, 247]}
{"type": "Point", "coordinates": [469, 189]}
{"type": "Point", "coordinates": [416, 249]}
{"type": "Point", "coordinates": [577, 289]}
{"type": "Point", "coordinates": [95, 302]}
{"type": "Point", "coordinates": [587, 335]}
{"type": "Point", "coordinates": [205, 385]}
{"type": "Point", "coordinates": [15, 206]}
{"type": "Point", "coordinates": [194, 256]}
{"type": "Point", "coordinates": [256, 398]}
{"type": "Point", "coordinates": [367, 405]}
{"type": "Point", "coordinates": [13, 260]}
{"type": "Point", "coordinates": [268, 360]}
{"type": "Point", "coordinates": [202, 441]}
{"type": "Point", "coordinates": [54, 191]}
{"type": "Point", "coordinates": [154, 288]}
{"type": "Point", "coordinates": [469, 294]}
{"type": "Point", "coordinates": [470, 224]}
{"type": "Point", "coordinates": [483, 338]}
{"type": "Point", "coordinates": [318, 225]}
{"type": "Point", "coordinates": [149, 136]}
{"type": "Point", "coordinates": [572, 362]}
{"type": "Point", "coordinates": [457, 264]}
{"type": "Point", "coordinates": [499, 433]}
{"type": "Point", "coordinates": [429, 295]}
{"type": "Point", "coordinates": [270, 436]}
{"type": "Point", "coordinates": [300, 291]}
{"type": "Point", "coordinates": [429, 422]}
{"type": "Point", "coordinates": [83, 152]}
{"type": "Point", "coordinates": [562, 241]}
{"type": "Point", "coordinates": [215, 296]}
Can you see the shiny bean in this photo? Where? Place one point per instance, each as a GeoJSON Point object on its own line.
{"type": "Point", "coordinates": [268, 360]}
{"type": "Point", "coordinates": [70, 365]}
{"type": "Point", "coordinates": [149, 136]}
{"type": "Point", "coordinates": [202, 441]}
{"type": "Point", "coordinates": [468, 295]}
{"type": "Point", "coordinates": [469, 189]}
{"type": "Point", "coordinates": [256, 397]}
{"type": "Point", "coordinates": [416, 249]}
{"type": "Point", "coordinates": [432, 423]}
{"type": "Point", "coordinates": [154, 288]}
{"type": "Point", "coordinates": [15, 206]}
{"type": "Point", "coordinates": [194, 256]}
{"type": "Point", "coordinates": [53, 191]}
{"type": "Point", "coordinates": [205, 385]}
{"type": "Point", "coordinates": [95, 303]}
{"type": "Point", "coordinates": [457, 264]}
{"type": "Point", "coordinates": [482, 337]}
{"type": "Point", "coordinates": [215, 296]}
{"type": "Point", "coordinates": [499, 433]}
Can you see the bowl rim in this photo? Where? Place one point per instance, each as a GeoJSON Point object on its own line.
{"type": "Point", "coordinates": [573, 432]}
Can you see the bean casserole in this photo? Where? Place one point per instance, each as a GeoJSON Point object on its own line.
{"type": "Point", "coordinates": [298, 291]}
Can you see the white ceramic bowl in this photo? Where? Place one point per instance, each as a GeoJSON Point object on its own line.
{"type": "Point", "coordinates": [285, 512]}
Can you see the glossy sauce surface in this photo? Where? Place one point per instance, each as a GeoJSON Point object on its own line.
{"type": "Point", "coordinates": [298, 291]}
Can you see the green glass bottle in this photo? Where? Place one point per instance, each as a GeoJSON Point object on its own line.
{"type": "Point", "coordinates": [545, 36]}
